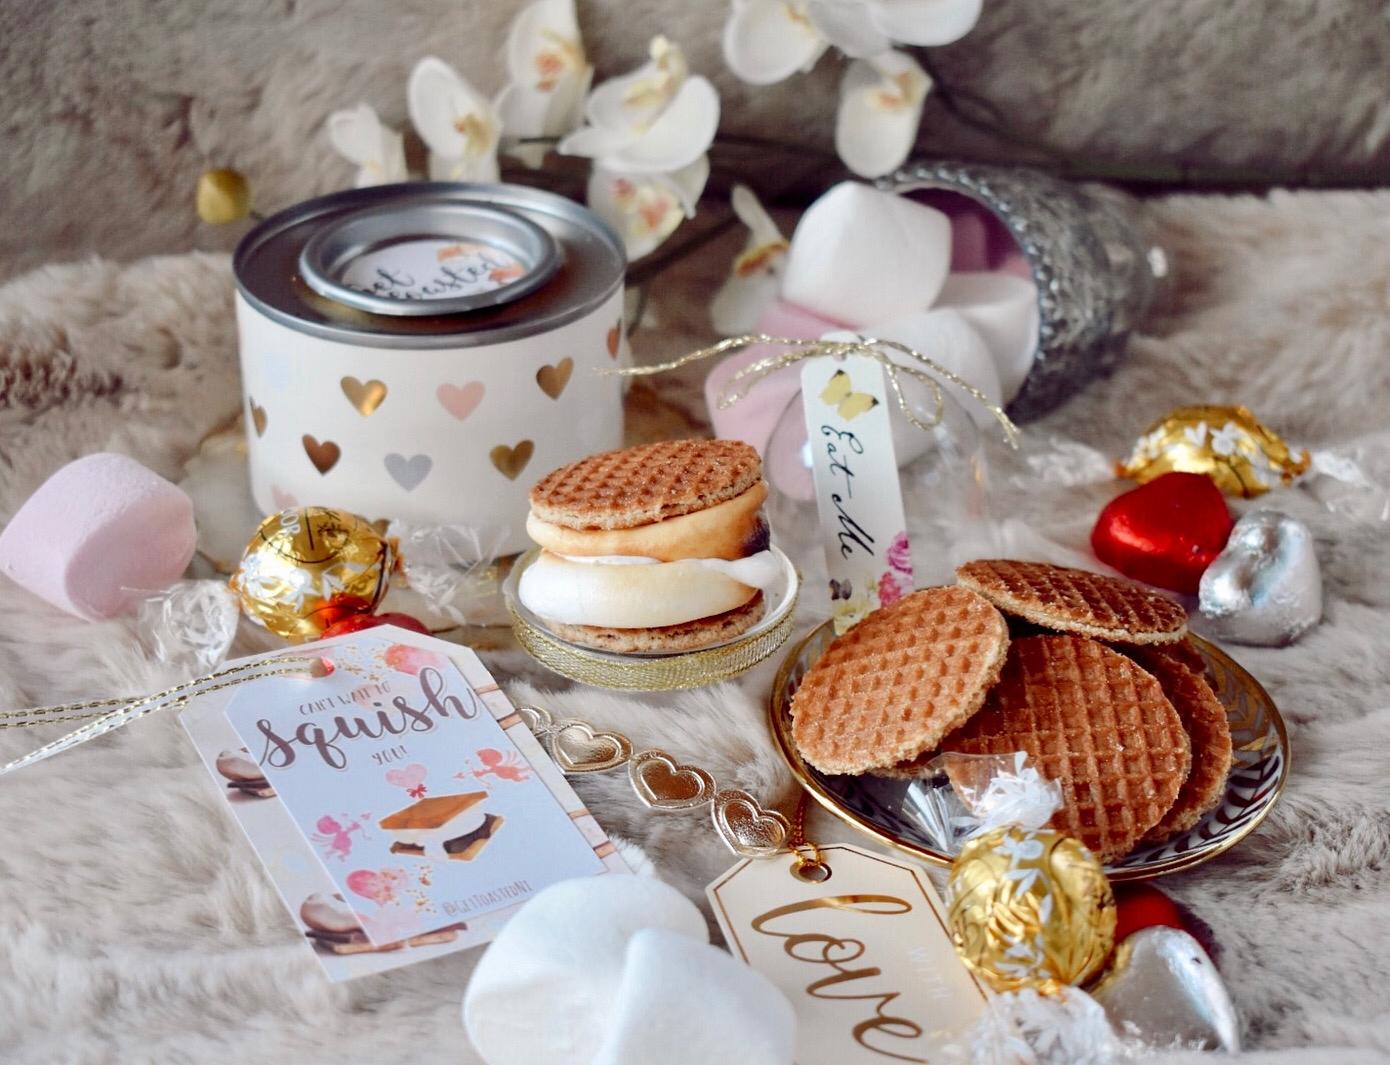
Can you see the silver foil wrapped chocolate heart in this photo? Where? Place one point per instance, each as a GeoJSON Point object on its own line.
{"type": "Point", "coordinates": [1163, 990]}
{"type": "Point", "coordinates": [1265, 587]}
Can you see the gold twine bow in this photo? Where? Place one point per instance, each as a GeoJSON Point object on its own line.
{"type": "Point", "coordinates": [743, 381]}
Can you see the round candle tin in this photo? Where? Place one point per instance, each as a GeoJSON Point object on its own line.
{"type": "Point", "coordinates": [418, 352]}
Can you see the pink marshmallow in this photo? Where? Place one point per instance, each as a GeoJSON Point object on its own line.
{"type": "Point", "coordinates": [753, 417]}
{"type": "Point", "coordinates": [99, 535]}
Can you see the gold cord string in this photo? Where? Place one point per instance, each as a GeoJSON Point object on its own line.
{"type": "Point", "coordinates": [926, 371]}
{"type": "Point", "coordinates": [127, 710]}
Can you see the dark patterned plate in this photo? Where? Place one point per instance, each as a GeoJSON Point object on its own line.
{"type": "Point", "coordinates": [1261, 765]}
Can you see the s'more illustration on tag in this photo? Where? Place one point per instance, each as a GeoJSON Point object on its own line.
{"type": "Point", "coordinates": [400, 804]}
{"type": "Point", "coordinates": [456, 827]}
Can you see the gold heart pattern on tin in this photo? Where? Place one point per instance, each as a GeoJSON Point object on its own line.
{"type": "Point", "coordinates": [748, 829]}
{"type": "Point", "coordinates": [366, 396]}
{"type": "Point", "coordinates": [258, 416]}
{"type": "Point", "coordinates": [553, 379]}
{"type": "Point", "coordinates": [578, 747]}
{"type": "Point", "coordinates": [323, 455]}
{"type": "Point", "coordinates": [662, 783]}
{"type": "Point", "coordinates": [510, 461]}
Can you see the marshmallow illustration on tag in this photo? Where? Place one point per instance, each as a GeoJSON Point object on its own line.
{"type": "Point", "coordinates": [618, 970]}
{"type": "Point", "coordinates": [99, 535]}
{"type": "Point", "coordinates": [860, 255]}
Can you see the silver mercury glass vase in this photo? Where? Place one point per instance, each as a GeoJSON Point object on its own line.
{"type": "Point", "coordinates": [1096, 267]}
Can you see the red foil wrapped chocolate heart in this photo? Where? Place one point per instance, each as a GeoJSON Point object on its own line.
{"type": "Point", "coordinates": [1166, 532]}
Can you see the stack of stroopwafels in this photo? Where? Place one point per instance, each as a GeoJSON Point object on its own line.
{"type": "Point", "coordinates": [1099, 687]}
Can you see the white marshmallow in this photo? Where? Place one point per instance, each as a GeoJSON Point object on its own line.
{"type": "Point", "coordinates": [636, 593]}
{"type": "Point", "coordinates": [1004, 309]}
{"type": "Point", "coordinates": [860, 255]}
{"type": "Point", "coordinates": [617, 970]}
{"type": "Point", "coordinates": [684, 1002]}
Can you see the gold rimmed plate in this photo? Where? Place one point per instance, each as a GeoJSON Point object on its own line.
{"type": "Point", "coordinates": [877, 807]}
{"type": "Point", "coordinates": [650, 672]}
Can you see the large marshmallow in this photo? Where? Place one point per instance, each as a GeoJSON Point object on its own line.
{"type": "Point", "coordinates": [617, 970]}
{"type": "Point", "coordinates": [99, 535]}
{"type": "Point", "coordinates": [1004, 310]}
{"type": "Point", "coordinates": [860, 255]}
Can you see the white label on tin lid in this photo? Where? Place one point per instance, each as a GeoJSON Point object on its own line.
{"type": "Point", "coordinates": [432, 269]}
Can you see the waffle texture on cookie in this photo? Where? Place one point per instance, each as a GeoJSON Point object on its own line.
{"type": "Point", "coordinates": [1097, 724]}
{"type": "Point", "coordinates": [645, 484]}
{"type": "Point", "coordinates": [1076, 600]}
{"type": "Point", "coordinates": [687, 636]}
{"type": "Point", "coordinates": [898, 681]}
{"type": "Point", "coordinates": [1208, 731]}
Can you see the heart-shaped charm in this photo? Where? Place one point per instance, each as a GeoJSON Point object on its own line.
{"type": "Point", "coordinates": [665, 784]}
{"type": "Point", "coordinates": [408, 472]}
{"type": "Point", "coordinates": [748, 829]}
{"type": "Point", "coordinates": [1265, 588]}
{"type": "Point", "coordinates": [460, 400]}
{"type": "Point", "coordinates": [510, 461]}
{"type": "Point", "coordinates": [324, 455]}
{"type": "Point", "coordinates": [553, 379]}
{"type": "Point", "coordinates": [1163, 989]}
{"type": "Point", "coordinates": [366, 396]}
{"type": "Point", "coordinates": [1165, 532]}
{"type": "Point", "coordinates": [537, 719]}
{"type": "Point", "coordinates": [258, 416]}
{"type": "Point", "coordinates": [580, 748]}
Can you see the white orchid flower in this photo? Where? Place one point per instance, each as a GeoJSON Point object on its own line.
{"type": "Point", "coordinates": [645, 209]}
{"type": "Point", "coordinates": [657, 120]}
{"type": "Point", "coordinates": [458, 123]}
{"type": "Point", "coordinates": [378, 151]}
{"type": "Point", "coordinates": [881, 103]}
{"type": "Point", "coordinates": [766, 41]}
{"type": "Point", "coordinates": [755, 278]}
{"type": "Point", "coordinates": [549, 77]}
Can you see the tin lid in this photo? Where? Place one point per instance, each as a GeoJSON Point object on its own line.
{"type": "Point", "coordinates": [443, 257]}
{"type": "Point", "coordinates": [430, 265]}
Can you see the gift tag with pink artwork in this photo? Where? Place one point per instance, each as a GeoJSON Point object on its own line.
{"type": "Point", "coordinates": [858, 495]}
{"type": "Point", "coordinates": [415, 800]}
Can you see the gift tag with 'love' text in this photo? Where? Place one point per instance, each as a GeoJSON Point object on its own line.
{"type": "Point", "coordinates": [858, 495]}
{"type": "Point", "coordinates": [862, 955]}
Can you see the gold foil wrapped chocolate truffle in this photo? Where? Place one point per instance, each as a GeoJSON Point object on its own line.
{"type": "Point", "coordinates": [1228, 444]}
{"type": "Point", "coordinates": [310, 567]}
{"type": "Point", "coordinates": [1030, 908]}
{"type": "Point", "coordinates": [223, 196]}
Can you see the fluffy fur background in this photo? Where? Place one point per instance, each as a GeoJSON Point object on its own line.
{"type": "Point", "coordinates": [137, 925]}
{"type": "Point", "coordinates": [113, 107]}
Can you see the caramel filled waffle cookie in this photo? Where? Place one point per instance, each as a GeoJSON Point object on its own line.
{"type": "Point", "coordinates": [640, 485]}
{"type": "Point", "coordinates": [1076, 601]}
{"type": "Point", "coordinates": [1094, 722]}
{"type": "Point", "coordinates": [685, 637]}
{"type": "Point", "coordinates": [898, 681]}
{"type": "Point", "coordinates": [1209, 733]}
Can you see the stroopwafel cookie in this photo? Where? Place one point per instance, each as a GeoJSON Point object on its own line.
{"type": "Point", "coordinates": [1094, 722]}
{"type": "Point", "coordinates": [1076, 601]}
{"type": "Point", "coordinates": [898, 681]}
{"type": "Point", "coordinates": [1209, 733]}
{"type": "Point", "coordinates": [645, 484]}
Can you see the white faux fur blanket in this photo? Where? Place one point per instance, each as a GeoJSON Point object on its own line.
{"type": "Point", "coordinates": [136, 925]}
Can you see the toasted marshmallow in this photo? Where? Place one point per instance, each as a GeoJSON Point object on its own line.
{"type": "Point", "coordinates": [627, 592]}
{"type": "Point", "coordinates": [728, 530]}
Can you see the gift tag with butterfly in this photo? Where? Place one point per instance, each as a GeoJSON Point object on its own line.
{"type": "Point", "coordinates": [858, 495]}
